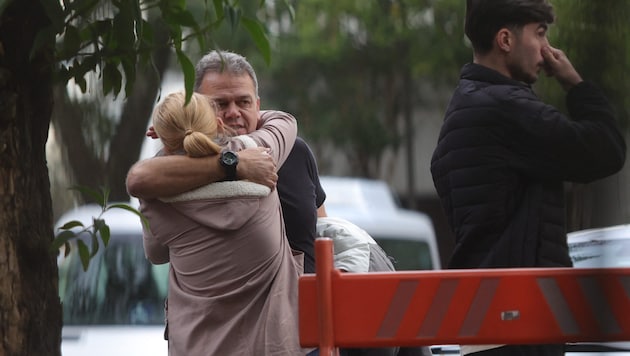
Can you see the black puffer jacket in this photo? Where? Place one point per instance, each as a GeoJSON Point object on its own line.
{"type": "Point", "coordinates": [500, 164]}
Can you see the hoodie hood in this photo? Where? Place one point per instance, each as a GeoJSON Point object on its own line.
{"type": "Point", "coordinates": [214, 205]}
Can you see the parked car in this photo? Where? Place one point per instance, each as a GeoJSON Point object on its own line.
{"type": "Point", "coordinates": [116, 307]}
{"type": "Point", "coordinates": [601, 248]}
{"type": "Point", "coordinates": [593, 248]}
{"type": "Point", "coordinates": [407, 236]}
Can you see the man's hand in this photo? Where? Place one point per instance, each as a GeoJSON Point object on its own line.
{"type": "Point", "coordinates": [256, 165]}
{"type": "Point", "coordinates": [558, 65]}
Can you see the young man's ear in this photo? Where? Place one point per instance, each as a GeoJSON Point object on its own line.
{"type": "Point", "coordinates": [504, 39]}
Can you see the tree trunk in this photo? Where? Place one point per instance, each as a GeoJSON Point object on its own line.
{"type": "Point", "coordinates": [30, 312]}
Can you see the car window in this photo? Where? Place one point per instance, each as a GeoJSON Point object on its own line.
{"type": "Point", "coordinates": [120, 286]}
{"type": "Point", "coordinates": [408, 255]}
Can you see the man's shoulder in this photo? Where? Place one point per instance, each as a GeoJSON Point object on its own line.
{"type": "Point", "coordinates": [475, 94]}
{"type": "Point", "coordinates": [301, 149]}
{"type": "Point", "coordinates": [271, 114]}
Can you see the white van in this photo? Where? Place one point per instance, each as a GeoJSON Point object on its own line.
{"type": "Point", "coordinates": [407, 236]}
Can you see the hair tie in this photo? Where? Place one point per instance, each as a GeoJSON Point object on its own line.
{"type": "Point", "coordinates": [188, 132]}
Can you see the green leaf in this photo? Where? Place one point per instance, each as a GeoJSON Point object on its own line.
{"type": "Point", "coordinates": [71, 42]}
{"type": "Point", "coordinates": [97, 225]}
{"type": "Point", "coordinates": [257, 32]}
{"type": "Point", "coordinates": [71, 224]}
{"type": "Point", "coordinates": [112, 80]}
{"type": "Point", "coordinates": [99, 29]}
{"type": "Point", "coordinates": [233, 16]}
{"type": "Point", "coordinates": [95, 246]}
{"type": "Point", "coordinates": [105, 234]}
{"type": "Point", "coordinates": [81, 82]}
{"type": "Point", "coordinates": [66, 249]}
{"type": "Point", "coordinates": [98, 197]}
{"type": "Point", "coordinates": [189, 73]}
{"type": "Point", "coordinates": [124, 27]}
{"type": "Point", "coordinates": [146, 33]}
{"type": "Point", "coordinates": [84, 254]}
{"type": "Point", "coordinates": [144, 220]}
{"type": "Point", "coordinates": [61, 239]}
{"type": "Point", "coordinates": [290, 8]}
{"type": "Point", "coordinates": [218, 8]}
{"type": "Point", "coordinates": [176, 34]}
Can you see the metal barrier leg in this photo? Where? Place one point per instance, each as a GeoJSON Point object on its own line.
{"type": "Point", "coordinates": [324, 269]}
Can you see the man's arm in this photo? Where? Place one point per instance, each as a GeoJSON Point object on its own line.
{"type": "Point", "coordinates": [174, 174]}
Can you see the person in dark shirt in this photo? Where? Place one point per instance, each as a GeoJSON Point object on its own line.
{"type": "Point", "coordinates": [301, 195]}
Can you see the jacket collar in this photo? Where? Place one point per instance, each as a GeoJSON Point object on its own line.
{"type": "Point", "coordinates": [479, 73]}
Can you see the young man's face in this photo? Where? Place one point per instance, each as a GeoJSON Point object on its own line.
{"type": "Point", "coordinates": [236, 100]}
{"type": "Point", "coordinates": [525, 60]}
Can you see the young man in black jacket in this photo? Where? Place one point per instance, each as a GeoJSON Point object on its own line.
{"type": "Point", "coordinates": [503, 155]}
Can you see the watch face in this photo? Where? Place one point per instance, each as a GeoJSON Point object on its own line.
{"type": "Point", "coordinates": [229, 158]}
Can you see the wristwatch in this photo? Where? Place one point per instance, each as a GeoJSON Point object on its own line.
{"type": "Point", "coordinates": [229, 160]}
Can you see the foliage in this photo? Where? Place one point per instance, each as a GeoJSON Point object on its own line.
{"type": "Point", "coordinates": [74, 230]}
{"type": "Point", "coordinates": [113, 37]}
{"type": "Point", "coordinates": [585, 28]}
{"type": "Point", "coordinates": [356, 70]}
{"type": "Point", "coordinates": [101, 135]}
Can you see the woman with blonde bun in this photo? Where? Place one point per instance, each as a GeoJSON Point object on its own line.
{"type": "Point", "coordinates": [187, 128]}
{"type": "Point", "coordinates": [233, 277]}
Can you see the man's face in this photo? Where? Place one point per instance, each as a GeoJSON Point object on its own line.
{"type": "Point", "coordinates": [525, 60]}
{"type": "Point", "coordinates": [236, 100]}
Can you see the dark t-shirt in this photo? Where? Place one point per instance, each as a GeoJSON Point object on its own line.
{"type": "Point", "coordinates": [300, 195]}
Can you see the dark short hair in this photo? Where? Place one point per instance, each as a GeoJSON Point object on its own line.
{"type": "Point", "coordinates": [484, 18]}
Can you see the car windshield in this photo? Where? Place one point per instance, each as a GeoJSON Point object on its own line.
{"type": "Point", "coordinates": [408, 255]}
{"type": "Point", "coordinates": [120, 286]}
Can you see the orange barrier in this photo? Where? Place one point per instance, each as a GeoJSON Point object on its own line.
{"type": "Point", "coordinates": [489, 306]}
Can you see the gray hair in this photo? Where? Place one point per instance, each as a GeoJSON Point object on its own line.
{"type": "Point", "coordinates": [224, 61]}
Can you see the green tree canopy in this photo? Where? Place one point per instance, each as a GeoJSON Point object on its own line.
{"type": "Point", "coordinates": [355, 70]}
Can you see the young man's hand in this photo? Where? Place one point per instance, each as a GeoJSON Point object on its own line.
{"type": "Point", "coordinates": [558, 65]}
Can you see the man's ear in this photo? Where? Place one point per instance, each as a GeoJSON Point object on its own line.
{"type": "Point", "coordinates": [504, 39]}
